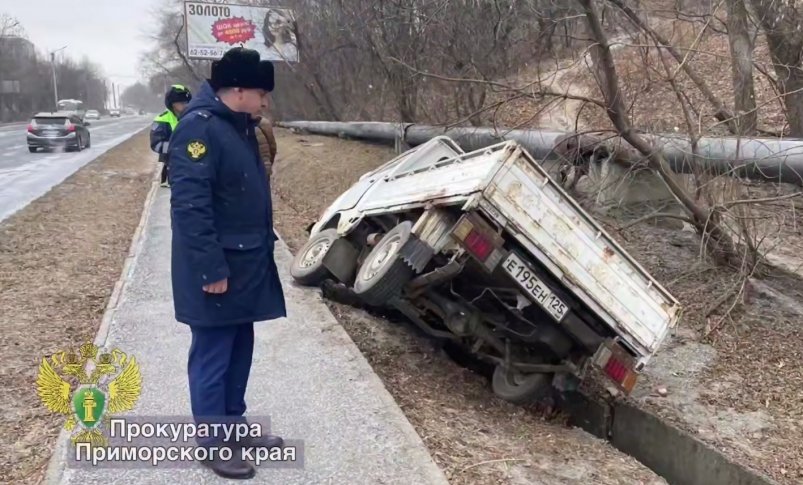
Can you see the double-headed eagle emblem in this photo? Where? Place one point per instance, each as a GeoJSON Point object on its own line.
{"type": "Point", "coordinates": [93, 387]}
{"type": "Point", "coordinates": [196, 149]}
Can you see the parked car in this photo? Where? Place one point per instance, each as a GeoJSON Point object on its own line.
{"type": "Point", "coordinates": [487, 252]}
{"type": "Point", "coordinates": [114, 113]}
{"type": "Point", "coordinates": [58, 130]}
{"type": "Point", "coordinates": [92, 114]}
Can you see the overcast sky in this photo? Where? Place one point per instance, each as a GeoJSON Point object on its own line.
{"type": "Point", "coordinates": [111, 33]}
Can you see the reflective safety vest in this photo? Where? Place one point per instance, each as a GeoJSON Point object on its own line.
{"type": "Point", "coordinates": [169, 118]}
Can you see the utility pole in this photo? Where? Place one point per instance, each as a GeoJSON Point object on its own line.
{"type": "Point", "coordinates": [55, 85]}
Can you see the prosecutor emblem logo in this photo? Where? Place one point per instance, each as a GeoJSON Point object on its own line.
{"type": "Point", "coordinates": [196, 149]}
{"type": "Point", "coordinates": [88, 387]}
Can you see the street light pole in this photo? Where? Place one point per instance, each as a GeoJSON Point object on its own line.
{"type": "Point", "coordinates": [55, 85]}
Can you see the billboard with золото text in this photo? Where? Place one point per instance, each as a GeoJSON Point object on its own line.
{"type": "Point", "coordinates": [212, 29]}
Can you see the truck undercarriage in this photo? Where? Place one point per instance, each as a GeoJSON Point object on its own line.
{"type": "Point", "coordinates": [459, 269]}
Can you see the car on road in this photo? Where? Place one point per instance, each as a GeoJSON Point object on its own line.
{"type": "Point", "coordinates": [114, 113]}
{"type": "Point", "coordinates": [487, 253]}
{"type": "Point", "coordinates": [58, 130]}
{"type": "Point", "coordinates": [92, 114]}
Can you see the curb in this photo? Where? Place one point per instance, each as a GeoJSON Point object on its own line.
{"type": "Point", "coordinates": [672, 453]}
{"type": "Point", "coordinates": [55, 468]}
{"type": "Point", "coordinates": [401, 423]}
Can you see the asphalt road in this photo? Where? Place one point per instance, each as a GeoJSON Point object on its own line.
{"type": "Point", "coordinates": [26, 176]}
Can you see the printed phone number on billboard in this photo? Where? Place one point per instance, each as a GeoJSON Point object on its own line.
{"type": "Point", "coordinates": [205, 52]}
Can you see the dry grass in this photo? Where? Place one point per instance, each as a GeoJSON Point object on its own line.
{"type": "Point", "coordinates": [59, 259]}
{"type": "Point", "coordinates": [653, 104]}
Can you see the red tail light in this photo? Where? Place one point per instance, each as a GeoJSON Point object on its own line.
{"type": "Point", "coordinates": [480, 240]}
{"type": "Point", "coordinates": [30, 128]}
{"type": "Point", "coordinates": [479, 245]}
{"type": "Point", "coordinates": [617, 365]}
{"type": "Point", "coordinates": [70, 127]}
{"type": "Point", "coordinates": [616, 370]}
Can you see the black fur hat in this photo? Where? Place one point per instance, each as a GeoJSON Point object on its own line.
{"type": "Point", "coordinates": [241, 68]}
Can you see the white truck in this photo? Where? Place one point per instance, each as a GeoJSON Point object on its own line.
{"type": "Point", "coordinates": [484, 249]}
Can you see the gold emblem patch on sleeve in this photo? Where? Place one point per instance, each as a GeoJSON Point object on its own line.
{"type": "Point", "coordinates": [196, 149]}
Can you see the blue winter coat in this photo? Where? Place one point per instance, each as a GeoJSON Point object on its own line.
{"type": "Point", "coordinates": [221, 218]}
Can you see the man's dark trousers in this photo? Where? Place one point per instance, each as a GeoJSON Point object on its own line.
{"type": "Point", "coordinates": [163, 174]}
{"type": "Point", "coordinates": [218, 367]}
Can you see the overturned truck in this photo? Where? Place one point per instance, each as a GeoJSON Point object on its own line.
{"type": "Point", "coordinates": [485, 250]}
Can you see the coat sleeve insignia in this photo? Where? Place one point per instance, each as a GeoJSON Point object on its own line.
{"type": "Point", "coordinates": [196, 149]}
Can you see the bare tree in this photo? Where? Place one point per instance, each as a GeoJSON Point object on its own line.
{"type": "Point", "coordinates": [721, 112]}
{"type": "Point", "coordinates": [741, 48]}
{"type": "Point", "coordinates": [782, 22]}
{"type": "Point", "coordinates": [20, 64]}
{"type": "Point", "coordinates": [705, 220]}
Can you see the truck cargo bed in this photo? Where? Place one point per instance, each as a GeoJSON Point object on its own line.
{"type": "Point", "coordinates": [578, 251]}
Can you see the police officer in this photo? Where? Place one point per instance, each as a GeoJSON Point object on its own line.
{"type": "Point", "coordinates": [176, 99]}
{"type": "Point", "coordinates": [223, 273]}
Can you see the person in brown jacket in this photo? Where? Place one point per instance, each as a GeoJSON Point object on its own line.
{"type": "Point", "coordinates": [267, 143]}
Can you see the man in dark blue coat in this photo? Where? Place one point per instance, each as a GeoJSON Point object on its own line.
{"type": "Point", "coordinates": [223, 271]}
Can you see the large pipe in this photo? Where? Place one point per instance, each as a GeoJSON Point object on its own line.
{"type": "Point", "coordinates": [779, 160]}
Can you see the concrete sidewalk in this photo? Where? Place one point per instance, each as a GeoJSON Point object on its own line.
{"type": "Point", "coordinates": [307, 376]}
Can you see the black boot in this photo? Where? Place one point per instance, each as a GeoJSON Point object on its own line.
{"type": "Point", "coordinates": [237, 468]}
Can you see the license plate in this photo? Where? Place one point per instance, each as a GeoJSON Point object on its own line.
{"type": "Point", "coordinates": [51, 133]}
{"type": "Point", "coordinates": [534, 287]}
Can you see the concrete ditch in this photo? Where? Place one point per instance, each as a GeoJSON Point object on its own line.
{"type": "Point", "coordinates": [672, 453]}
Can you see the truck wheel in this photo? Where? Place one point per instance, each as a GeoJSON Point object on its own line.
{"type": "Point", "coordinates": [383, 274]}
{"type": "Point", "coordinates": [307, 267]}
{"type": "Point", "coordinates": [519, 388]}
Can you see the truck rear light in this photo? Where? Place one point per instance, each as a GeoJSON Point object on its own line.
{"type": "Point", "coordinates": [479, 246]}
{"type": "Point", "coordinates": [480, 240]}
{"type": "Point", "coordinates": [614, 361]}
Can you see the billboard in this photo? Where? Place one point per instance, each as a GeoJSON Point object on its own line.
{"type": "Point", "coordinates": [212, 29]}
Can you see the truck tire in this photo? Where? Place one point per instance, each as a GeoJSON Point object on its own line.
{"type": "Point", "coordinates": [307, 267]}
{"type": "Point", "coordinates": [383, 274]}
{"type": "Point", "coordinates": [519, 388]}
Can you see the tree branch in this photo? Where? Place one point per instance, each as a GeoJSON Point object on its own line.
{"type": "Point", "coordinates": [656, 215]}
{"type": "Point", "coordinates": [609, 83]}
{"type": "Point", "coordinates": [721, 112]}
{"type": "Point", "coordinates": [532, 94]}
{"type": "Point", "coordinates": [183, 57]}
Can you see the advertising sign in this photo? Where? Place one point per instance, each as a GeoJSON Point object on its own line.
{"type": "Point", "coordinates": [212, 29]}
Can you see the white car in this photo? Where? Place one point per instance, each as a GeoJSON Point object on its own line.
{"type": "Point", "coordinates": [114, 113]}
{"type": "Point", "coordinates": [487, 252]}
{"type": "Point", "coordinates": [92, 115]}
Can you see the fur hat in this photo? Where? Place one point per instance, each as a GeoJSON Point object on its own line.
{"type": "Point", "coordinates": [241, 68]}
